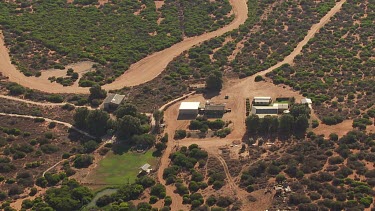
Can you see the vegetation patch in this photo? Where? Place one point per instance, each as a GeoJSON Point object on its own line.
{"type": "Point", "coordinates": [336, 68]}
{"type": "Point", "coordinates": [114, 35]}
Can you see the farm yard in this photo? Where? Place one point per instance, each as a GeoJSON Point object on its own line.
{"type": "Point", "coordinates": [313, 156]}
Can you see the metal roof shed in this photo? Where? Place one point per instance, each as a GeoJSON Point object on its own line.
{"type": "Point", "coordinates": [189, 108]}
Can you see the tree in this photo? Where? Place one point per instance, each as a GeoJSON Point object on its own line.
{"type": "Point", "coordinates": [97, 121]}
{"type": "Point", "coordinates": [300, 109]}
{"type": "Point", "coordinates": [280, 178]}
{"type": "Point", "coordinates": [90, 146]}
{"type": "Point", "coordinates": [146, 140]}
{"type": "Point", "coordinates": [83, 161]}
{"type": "Point", "coordinates": [252, 124]}
{"type": "Point", "coordinates": [286, 124]}
{"type": "Point", "coordinates": [214, 81]}
{"type": "Point", "coordinates": [16, 89]}
{"type": "Point", "coordinates": [126, 109]}
{"type": "Point", "coordinates": [158, 116]}
{"type": "Point", "coordinates": [80, 117]}
{"type": "Point", "coordinates": [128, 126]}
{"type": "Point", "coordinates": [96, 92]}
{"type": "Point", "coordinates": [158, 190]}
{"type": "Point", "coordinates": [301, 124]}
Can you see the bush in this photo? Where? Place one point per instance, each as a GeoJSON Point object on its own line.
{"type": "Point", "coordinates": [68, 107]}
{"type": "Point", "coordinates": [211, 200]}
{"type": "Point", "coordinates": [33, 191]}
{"type": "Point", "coordinates": [258, 78]}
{"type": "Point", "coordinates": [314, 123]}
{"type": "Point", "coordinates": [55, 98]}
{"type": "Point", "coordinates": [39, 119]}
{"type": "Point", "coordinates": [180, 134]}
{"type": "Point", "coordinates": [14, 190]}
{"type": "Point", "coordinates": [224, 201]}
{"type": "Point", "coordinates": [49, 148]}
{"type": "Point", "coordinates": [153, 199]}
{"type": "Point", "coordinates": [296, 199]}
{"type": "Point", "coordinates": [218, 184]}
{"type": "Point", "coordinates": [3, 195]}
{"type": "Point", "coordinates": [52, 125]}
{"type": "Point", "coordinates": [167, 201]}
{"type": "Point", "coordinates": [83, 161]}
{"type": "Point", "coordinates": [158, 190]}
{"type": "Point", "coordinates": [250, 188]}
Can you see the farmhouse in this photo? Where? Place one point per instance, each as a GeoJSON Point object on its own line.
{"type": "Point", "coordinates": [112, 101]}
{"type": "Point", "coordinates": [214, 110]}
{"type": "Point", "coordinates": [189, 108]}
{"type": "Point", "coordinates": [262, 101]}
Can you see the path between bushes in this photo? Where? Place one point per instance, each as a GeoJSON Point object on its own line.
{"type": "Point", "coordinates": [49, 120]}
{"type": "Point", "coordinates": [140, 72]}
{"type": "Point", "coordinates": [31, 102]}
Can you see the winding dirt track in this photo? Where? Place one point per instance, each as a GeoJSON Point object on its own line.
{"type": "Point", "coordinates": [143, 71]}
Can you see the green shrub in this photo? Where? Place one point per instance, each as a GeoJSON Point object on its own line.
{"type": "Point", "coordinates": [258, 78]}
{"type": "Point", "coordinates": [180, 134]}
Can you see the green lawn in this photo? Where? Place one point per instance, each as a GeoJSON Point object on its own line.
{"type": "Point", "coordinates": [120, 168]}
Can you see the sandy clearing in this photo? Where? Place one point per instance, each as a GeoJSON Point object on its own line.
{"type": "Point", "coordinates": [159, 4]}
{"type": "Point", "coordinates": [138, 73]}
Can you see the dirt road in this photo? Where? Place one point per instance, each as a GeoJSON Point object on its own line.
{"type": "Point", "coordinates": [31, 102]}
{"type": "Point", "coordinates": [138, 73]}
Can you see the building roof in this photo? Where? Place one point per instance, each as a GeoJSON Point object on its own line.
{"type": "Point", "coordinates": [267, 110]}
{"type": "Point", "coordinates": [189, 106]}
{"type": "Point", "coordinates": [219, 107]}
{"type": "Point", "coordinates": [261, 101]}
{"type": "Point", "coordinates": [281, 105]}
{"type": "Point", "coordinates": [265, 107]}
{"type": "Point", "coordinates": [306, 100]}
{"type": "Point", "coordinates": [262, 98]}
{"type": "Point", "coordinates": [145, 167]}
{"type": "Point", "coordinates": [114, 98]}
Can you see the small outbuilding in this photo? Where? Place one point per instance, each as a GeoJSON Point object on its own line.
{"type": "Point", "coordinates": [112, 101]}
{"type": "Point", "coordinates": [281, 106]}
{"type": "Point", "coordinates": [262, 101]}
{"type": "Point", "coordinates": [145, 169]}
{"type": "Point", "coordinates": [307, 101]}
{"type": "Point", "coordinates": [189, 108]}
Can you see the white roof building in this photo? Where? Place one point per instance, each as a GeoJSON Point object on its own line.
{"type": "Point", "coordinates": [307, 101]}
{"type": "Point", "coordinates": [189, 108]}
{"type": "Point", "coordinates": [189, 105]}
{"type": "Point", "coordinates": [262, 100]}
